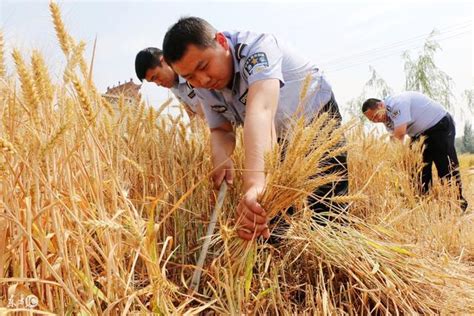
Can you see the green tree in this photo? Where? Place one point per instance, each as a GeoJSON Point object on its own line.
{"type": "Point", "coordinates": [467, 138]}
{"type": "Point", "coordinates": [422, 74]}
{"type": "Point", "coordinates": [468, 99]}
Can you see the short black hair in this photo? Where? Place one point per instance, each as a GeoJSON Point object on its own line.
{"type": "Point", "coordinates": [147, 58]}
{"type": "Point", "coordinates": [370, 104]}
{"type": "Point", "coordinates": [188, 30]}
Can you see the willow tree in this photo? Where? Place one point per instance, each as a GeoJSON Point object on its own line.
{"type": "Point", "coordinates": [422, 74]}
{"type": "Point", "coordinates": [375, 87]}
{"type": "Point", "coordinates": [468, 99]}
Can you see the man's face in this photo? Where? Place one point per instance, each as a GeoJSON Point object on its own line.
{"type": "Point", "coordinates": [378, 114]}
{"type": "Point", "coordinates": [161, 75]}
{"type": "Point", "coordinates": [208, 68]}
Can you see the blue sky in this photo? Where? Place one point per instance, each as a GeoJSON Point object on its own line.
{"type": "Point", "coordinates": [343, 38]}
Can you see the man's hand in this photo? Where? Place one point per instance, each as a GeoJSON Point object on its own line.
{"type": "Point", "coordinates": [251, 217]}
{"type": "Point", "coordinates": [224, 170]}
{"type": "Point", "coordinates": [399, 132]}
{"type": "Point", "coordinates": [259, 137]}
{"type": "Point", "coordinates": [222, 147]}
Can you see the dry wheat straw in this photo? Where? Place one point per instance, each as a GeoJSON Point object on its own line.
{"type": "Point", "coordinates": [6, 146]}
{"type": "Point", "coordinates": [84, 99]}
{"type": "Point", "coordinates": [42, 80]}
{"type": "Point", "coordinates": [2, 56]}
{"type": "Point", "coordinates": [109, 221]}
{"type": "Point", "coordinates": [63, 37]}
{"type": "Point", "coordinates": [30, 94]}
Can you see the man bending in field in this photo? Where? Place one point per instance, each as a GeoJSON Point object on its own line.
{"type": "Point", "coordinates": [254, 80]}
{"type": "Point", "coordinates": [416, 115]}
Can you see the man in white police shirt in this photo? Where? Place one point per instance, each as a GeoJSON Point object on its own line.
{"type": "Point", "coordinates": [249, 79]}
{"type": "Point", "coordinates": [414, 114]}
{"type": "Point", "coordinates": [150, 66]}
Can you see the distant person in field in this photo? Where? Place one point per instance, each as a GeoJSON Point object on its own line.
{"type": "Point", "coordinates": [150, 66]}
{"type": "Point", "coordinates": [416, 115]}
{"type": "Point", "coordinates": [254, 80]}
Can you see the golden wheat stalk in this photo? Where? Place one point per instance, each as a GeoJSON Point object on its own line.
{"type": "Point", "coordinates": [3, 71]}
{"type": "Point", "coordinates": [56, 138]}
{"type": "Point", "coordinates": [73, 60]}
{"type": "Point", "coordinates": [42, 79]}
{"type": "Point", "coordinates": [30, 95]}
{"type": "Point", "coordinates": [108, 107]}
{"type": "Point", "coordinates": [61, 33]}
{"type": "Point", "coordinates": [84, 99]}
{"type": "Point", "coordinates": [6, 146]}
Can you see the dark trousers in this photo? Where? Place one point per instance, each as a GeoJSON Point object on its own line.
{"type": "Point", "coordinates": [320, 203]}
{"type": "Point", "coordinates": [439, 149]}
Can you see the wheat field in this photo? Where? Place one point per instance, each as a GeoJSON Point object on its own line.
{"type": "Point", "coordinates": [104, 207]}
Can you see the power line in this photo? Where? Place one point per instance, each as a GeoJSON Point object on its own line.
{"type": "Point", "coordinates": [454, 28]}
{"type": "Point", "coordinates": [359, 61]}
{"type": "Point", "coordinates": [342, 67]}
{"type": "Point", "coordinates": [396, 46]}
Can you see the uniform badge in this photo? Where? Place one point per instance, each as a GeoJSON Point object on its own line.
{"type": "Point", "coordinates": [191, 94]}
{"type": "Point", "coordinates": [243, 98]}
{"type": "Point", "coordinates": [219, 108]}
{"type": "Point", "coordinates": [392, 112]}
{"type": "Point", "coordinates": [256, 63]}
{"type": "Point", "coordinates": [395, 114]}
